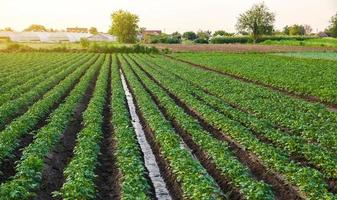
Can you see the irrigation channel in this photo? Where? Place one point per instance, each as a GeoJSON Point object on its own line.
{"type": "Point", "coordinates": [149, 157]}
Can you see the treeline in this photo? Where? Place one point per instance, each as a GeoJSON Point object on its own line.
{"type": "Point", "coordinates": [93, 47]}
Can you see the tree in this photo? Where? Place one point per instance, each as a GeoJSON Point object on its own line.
{"type": "Point", "coordinates": [204, 34]}
{"type": "Point", "coordinates": [190, 35]}
{"type": "Point", "coordinates": [286, 30]}
{"type": "Point", "coordinates": [124, 26]}
{"type": "Point", "coordinates": [93, 30]}
{"type": "Point", "coordinates": [257, 21]}
{"type": "Point", "coordinates": [222, 33]}
{"type": "Point", "coordinates": [307, 29]}
{"type": "Point", "coordinates": [296, 30]}
{"type": "Point", "coordinates": [7, 29]}
{"type": "Point", "coordinates": [36, 28]}
{"type": "Point", "coordinates": [85, 43]}
{"type": "Point", "coordinates": [332, 29]}
{"type": "Point", "coordinates": [176, 35]}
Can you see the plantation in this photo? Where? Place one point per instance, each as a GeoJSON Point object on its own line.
{"type": "Point", "coordinates": [178, 126]}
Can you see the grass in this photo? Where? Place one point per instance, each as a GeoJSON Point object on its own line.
{"type": "Point", "coordinates": [323, 42]}
{"type": "Point", "coordinates": [315, 55]}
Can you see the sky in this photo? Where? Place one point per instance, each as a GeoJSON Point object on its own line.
{"type": "Point", "coordinates": [168, 16]}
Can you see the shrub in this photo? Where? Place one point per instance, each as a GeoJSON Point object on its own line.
{"type": "Point", "coordinates": [201, 41]}
{"type": "Point", "coordinates": [84, 43]}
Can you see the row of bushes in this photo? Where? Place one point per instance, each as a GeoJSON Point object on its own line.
{"type": "Point", "coordinates": [168, 39]}
{"type": "Point", "coordinates": [94, 47]}
{"type": "Point", "coordinates": [247, 39]}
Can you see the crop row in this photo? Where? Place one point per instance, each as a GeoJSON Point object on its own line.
{"type": "Point", "coordinates": [291, 144]}
{"type": "Point", "coordinates": [311, 122]}
{"type": "Point", "coordinates": [217, 151]}
{"type": "Point", "coordinates": [301, 76]}
{"type": "Point", "coordinates": [310, 182]}
{"type": "Point", "coordinates": [10, 136]}
{"type": "Point", "coordinates": [194, 181]}
{"type": "Point", "coordinates": [12, 63]}
{"type": "Point", "coordinates": [18, 87]}
{"type": "Point", "coordinates": [80, 172]}
{"type": "Point", "coordinates": [28, 68]}
{"type": "Point", "coordinates": [29, 169]}
{"type": "Point", "coordinates": [128, 155]}
{"type": "Point", "coordinates": [12, 108]}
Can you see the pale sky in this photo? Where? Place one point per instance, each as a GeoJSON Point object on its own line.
{"type": "Point", "coordinates": [169, 16]}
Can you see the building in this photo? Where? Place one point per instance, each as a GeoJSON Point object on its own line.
{"type": "Point", "coordinates": [147, 33]}
{"type": "Point", "coordinates": [77, 30]}
{"type": "Point", "coordinates": [44, 36]}
{"type": "Point", "coordinates": [102, 37]}
{"type": "Point", "coordinates": [322, 34]}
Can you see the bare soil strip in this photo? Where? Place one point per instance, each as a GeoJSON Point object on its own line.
{"type": "Point", "coordinates": [7, 167]}
{"type": "Point", "coordinates": [57, 160]}
{"type": "Point", "coordinates": [308, 98]}
{"type": "Point", "coordinates": [164, 167]}
{"type": "Point", "coordinates": [281, 188]}
{"type": "Point", "coordinates": [200, 154]}
{"type": "Point", "coordinates": [160, 188]}
{"type": "Point", "coordinates": [107, 180]}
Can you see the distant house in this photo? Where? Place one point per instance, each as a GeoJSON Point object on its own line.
{"type": "Point", "coordinates": [146, 33]}
{"type": "Point", "coordinates": [102, 37]}
{"type": "Point", "coordinates": [322, 34]}
{"type": "Point", "coordinates": [77, 30]}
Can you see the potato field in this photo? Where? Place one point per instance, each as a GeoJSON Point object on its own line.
{"type": "Point", "coordinates": [253, 126]}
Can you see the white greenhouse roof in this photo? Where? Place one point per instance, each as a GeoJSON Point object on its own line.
{"type": "Point", "coordinates": [44, 36]}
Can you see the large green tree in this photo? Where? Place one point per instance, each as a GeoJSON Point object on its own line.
{"type": "Point", "coordinates": [190, 35]}
{"type": "Point", "coordinates": [257, 21]}
{"type": "Point", "coordinates": [332, 29]}
{"type": "Point", "coordinates": [124, 26]}
{"type": "Point", "coordinates": [36, 28]}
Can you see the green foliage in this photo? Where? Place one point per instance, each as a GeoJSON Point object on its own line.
{"type": "Point", "coordinates": [93, 30]}
{"type": "Point", "coordinates": [204, 34]}
{"type": "Point", "coordinates": [223, 90]}
{"type": "Point", "coordinates": [217, 150]}
{"type": "Point", "coordinates": [193, 178]}
{"type": "Point", "coordinates": [111, 48]}
{"type": "Point", "coordinates": [29, 168]}
{"type": "Point", "coordinates": [128, 153]}
{"type": "Point", "coordinates": [222, 33]}
{"type": "Point", "coordinates": [26, 122]}
{"type": "Point", "coordinates": [302, 76]}
{"type": "Point", "coordinates": [85, 43]}
{"type": "Point", "coordinates": [80, 172]}
{"type": "Point", "coordinates": [36, 28]}
{"type": "Point", "coordinates": [200, 41]}
{"type": "Point", "coordinates": [190, 35]}
{"type": "Point", "coordinates": [257, 21]}
{"type": "Point", "coordinates": [297, 29]}
{"type": "Point", "coordinates": [124, 26]}
{"type": "Point", "coordinates": [164, 39]}
{"type": "Point", "coordinates": [332, 29]}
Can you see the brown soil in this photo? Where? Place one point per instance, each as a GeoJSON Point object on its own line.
{"type": "Point", "coordinates": [165, 169]}
{"type": "Point", "coordinates": [107, 172]}
{"type": "Point", "coordinates": [239, 48]}
{"type": "Point", "coordinates": [58, 159]}
{"type": "Point", "coordinates": [308, 98]}
{"type": "Point", "coordinates": [282, 189]}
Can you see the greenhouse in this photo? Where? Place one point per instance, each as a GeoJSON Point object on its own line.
{"type": "Point", "coordinates": [44, 36]}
